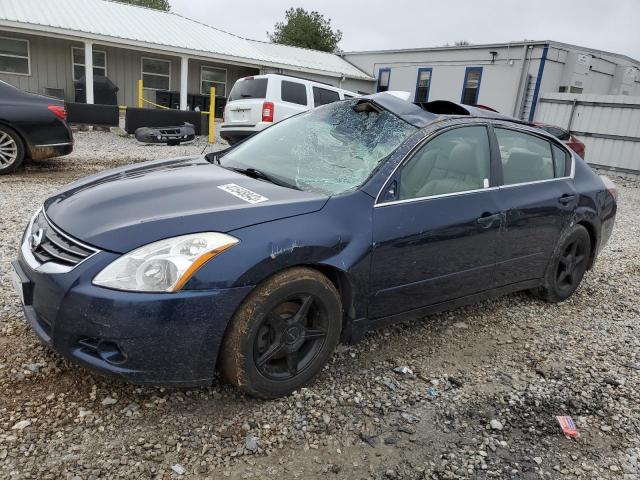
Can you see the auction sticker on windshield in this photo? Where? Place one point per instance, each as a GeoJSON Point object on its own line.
{"type": "Point", "coordinates": [243, 193]}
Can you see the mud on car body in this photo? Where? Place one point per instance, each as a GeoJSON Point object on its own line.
{"type": "Point", "coordinates": [259, 259]}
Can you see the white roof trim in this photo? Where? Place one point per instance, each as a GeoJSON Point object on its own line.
{"type": "Point", "coordinates": [130, 26]}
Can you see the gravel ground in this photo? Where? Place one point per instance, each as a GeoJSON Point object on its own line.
{"type": "Point", "coordinates": [478, 402]}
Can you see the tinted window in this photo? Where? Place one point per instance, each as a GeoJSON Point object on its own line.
{"type": "Point", "coordinates": [525, 157]}
{"type": "Point", "coordinates": [293, 92]}
{"type": "Point", "coordinates": [330, 149]}
{"type": "Point", "coordinates": [249, 88]}
{"type": "Point", "coordinates": [557, 132]}
{"type": "Point", "coordinates": [348, 96]}
{"type": "Point", "coordinates": [322, 96]}
{"type": "Point", "coordinates": [454, 161]}
{"type": "Point", "coordinates": [560, 162]}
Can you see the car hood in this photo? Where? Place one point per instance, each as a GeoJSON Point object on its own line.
{"type": "Point", "coordinates": [122, 209]}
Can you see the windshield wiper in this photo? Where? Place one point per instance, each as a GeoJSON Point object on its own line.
{"type": "Point", "coordinates": [259, 174]}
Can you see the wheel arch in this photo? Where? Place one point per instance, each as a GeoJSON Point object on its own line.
{"type": "Point", "coordinates": [23, 138]}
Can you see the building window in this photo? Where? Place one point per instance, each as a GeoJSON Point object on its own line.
{"type": "Point", "coordinates": [384, 75]}
{"type": "Point", "coordinates": [422, 85]}
{"type": "Point", "coordinates": [156, 73]}
{"type": "Point", "coordinates": [573, 89]}
{"type": "Point", "coordinates": [99, 62]}
{"type": "Point", "coordinates": [14, 56]}
{"type": "Point", "coordinates": [471, 87]}
{"type": "Point", "coordinates": [562, 89]}
{"type": "Point", "coordinates": [213, 77]}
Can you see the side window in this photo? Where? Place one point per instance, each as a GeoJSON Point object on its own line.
{"type": "Point", "coordinates": [471, 86]}
{"type": "Point", "coordinates": [423, 84]}
{"type": "Point", "coordinates": [384, 75]}
{"type": "Point", "coordinates": [455, 161]}
{"type": "Point", "coordinates": [293, 92]}
{"type": "Point", "coordinates": [348, 96]}
{"type": "Point", "coordinates": [322, 96]}
{"type": "Point", "coordinates": [525, 157]}
{"type": "Point", "coordinates": [560, 162]}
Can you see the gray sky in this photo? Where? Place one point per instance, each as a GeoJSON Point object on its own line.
{"type": "Point", "coordinates": [611, 25]}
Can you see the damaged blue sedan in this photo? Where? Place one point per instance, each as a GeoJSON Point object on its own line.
{"type": "Point", "coordinates": [257, 260]}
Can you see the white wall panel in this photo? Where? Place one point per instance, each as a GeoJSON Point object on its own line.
{"type": "Point", "coordinates": [609, 125]}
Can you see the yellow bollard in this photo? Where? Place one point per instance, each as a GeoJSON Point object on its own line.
{"type": "Point", "coordinates": [140, 94]}
{"type": "Point", "coordinates": [212, 113]}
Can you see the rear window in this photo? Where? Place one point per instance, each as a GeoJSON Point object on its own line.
{"type": "Point", "coordinates": [250, 88]}
{"type": "Point", "coordinates": [293, 92]}
{"type": "Point", "coordinates": [322, 96]}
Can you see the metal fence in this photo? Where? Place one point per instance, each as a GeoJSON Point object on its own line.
{"type": "Point", "coordinates": [609, 126]}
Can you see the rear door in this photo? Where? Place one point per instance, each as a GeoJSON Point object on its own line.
{"type": "Point", "coordinates": [538, 198]}
{"type": "Point", "coordinates": [244, 106]}
{"type": "Point", "coordinates": [438, 240]}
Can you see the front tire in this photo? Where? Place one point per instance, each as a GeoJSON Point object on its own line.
{"type": "Point", "coordinates": [567, 267]}
{"type": "Point", "coordinates": [11, 150]}
{"type": "Point", "coordinates": [282, 334]}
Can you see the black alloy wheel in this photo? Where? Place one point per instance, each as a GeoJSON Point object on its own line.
{"type": "Point", "coordinates": [290, 337]}
{"type": "Point", "coordinates": [567, 266]}
{"type": "Point", "coordinates": [283, 333]}
{"type": "Point", "coordinates": [572, 264]}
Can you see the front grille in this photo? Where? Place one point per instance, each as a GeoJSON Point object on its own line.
{"type": "Point", "coordinates": [50, 245]}
{"type": "Point", "coordinates": [170, 131]}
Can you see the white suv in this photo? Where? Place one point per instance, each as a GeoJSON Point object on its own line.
{"type": "Point", "coordinates": [259, 101]}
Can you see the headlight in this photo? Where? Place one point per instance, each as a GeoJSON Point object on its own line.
{"type": "Point", "coordinates": [163, 266]}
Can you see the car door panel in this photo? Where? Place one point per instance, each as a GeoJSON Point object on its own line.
{"type": "Point", "coordinates": [433, 250]}
{"type": "Point", "coordinates": [536, 210]}
{"type": "Point", "coordinates": [534, 219]}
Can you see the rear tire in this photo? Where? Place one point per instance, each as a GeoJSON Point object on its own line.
{"type": "Point", "coordinates": [11, 150]}
{"type": "Point", "coordinates": [567, 266]}
{"type": "Point", "coordinates": [282, 334]}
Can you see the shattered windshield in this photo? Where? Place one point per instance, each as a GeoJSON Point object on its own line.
{"type": "Point", "coordinates": [331, 149]}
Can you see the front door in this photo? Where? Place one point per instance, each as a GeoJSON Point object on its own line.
{"type": "Point", "coordinates": [437, 240]}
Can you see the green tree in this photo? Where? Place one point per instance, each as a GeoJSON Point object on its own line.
{"type": "Point", "coordinates": [157, 4]}
{"type": "Point", "coordinates": [306, 29]}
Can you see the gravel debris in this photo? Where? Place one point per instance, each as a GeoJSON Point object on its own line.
{"type": "Point", "coordinates": [517, 361]}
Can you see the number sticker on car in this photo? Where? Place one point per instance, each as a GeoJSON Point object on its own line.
{"type": "Point", "coordinates": [243, 193]}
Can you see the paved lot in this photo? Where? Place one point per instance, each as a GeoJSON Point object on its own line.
{"type": "Point", "coordinates": [487, 381]}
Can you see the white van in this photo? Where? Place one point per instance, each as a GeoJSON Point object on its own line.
{"type": "Point", "coordinates": [259, 101]}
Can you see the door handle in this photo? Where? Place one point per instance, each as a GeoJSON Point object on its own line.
{"type": "Point", "coordinates": [487, 219]}
{"type": "Point", "coordinates": [566, 199]}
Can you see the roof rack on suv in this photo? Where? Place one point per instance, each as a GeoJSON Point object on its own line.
{"type": "Point", "coordinates": [300, 78]}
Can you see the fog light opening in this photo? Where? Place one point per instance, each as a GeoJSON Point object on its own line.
{"type": "Point", "coordinates": [110, 352]}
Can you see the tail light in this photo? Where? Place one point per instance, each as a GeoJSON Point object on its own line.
{"type": "Point", "coordinates": [609, 185]}
{"type": "Point", "coordinates": [59, 111]}
{"type": "Point", "coordinates": [267, 111]}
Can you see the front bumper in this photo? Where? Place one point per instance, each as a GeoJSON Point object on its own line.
{"type": "Point", "coordinates": [159, 339]}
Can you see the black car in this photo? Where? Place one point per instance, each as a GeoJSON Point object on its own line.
{"type": "Point", "coordinates": [31, 126]}
{"type": "Point", "coordinates": [260, 258]}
